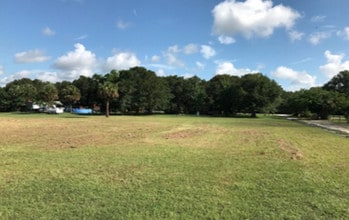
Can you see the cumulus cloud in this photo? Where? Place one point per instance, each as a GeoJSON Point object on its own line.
{"type": "Point", "coordinates": [295, 35]}
{"type": "Point", "coordinates": [190, 49]}
{"type": "Point", "coordinates": [155, 58]}
{"type": "Point", "coordinates": [48, 31]}
{"type": "Point", "coordinates": [173, 49]}
{"type": "Point", "coordinates": [173, 60]}
{"type": "Point", "coordinates": [334, 65]}
{"type": "Point", "coordinates": [31, 56]}
{"type": "Point", "coordinates": [251, 18]}
{"type": "Point", "coordinates": [207, 51]}
{"type": "Point", "coordinates": [76, 63]}
{"type": "Point", "coordinates": [122, 61]}
{"type": "Point", "coordinates": [315, 38]}
{"type": "Point", "coordinates": [18, 75]}
{"type": "Point", "coordinates": [171, 56]}
{"type": "Point", "coordinates": [47, 76]}
{"type": "Point", "coordinates": [226, 39]}
{"type": "Point", "coordinates": [226, 67]}
{"type": "Point", "coordinates": [174, 55]}
{"type": "Point", "coordinates": [297, 79]}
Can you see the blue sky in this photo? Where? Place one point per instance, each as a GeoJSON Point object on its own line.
{"type": "Point", "coordinates": [297, 43]}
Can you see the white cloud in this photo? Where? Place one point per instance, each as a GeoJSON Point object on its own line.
{"type": "Point", "coordinates": [18, 75]}
{"type": "Point", "coordinates": [82, 37]}
{"type": "Point", "coordinates": [226, 39]}
{"type": "Point", "coordinates": [31, 56]}
{"type": "Point", "coordinates": [318, 18]}
{"type": "Point", "coordinates": [304, 60]}
{"type": "Point", "coordinates": [190, 49]}
{"type": "Point", "coordinates": [48, 76]}
{"type": "Point", "coordinates": [155, 58]}
{"type": "Point", "coordinates": [200, 65]}
{"type": "Point", "coordinates": [251, 18]}
{"type": "Point", "coordinates": [35, 74]}
{"type": "Point", "coordinates": [227, 67]}
{"type": "Point", "coordinates": [295, 35]}
{"type": "Point", "coordinates": [122, 61]}
{"type": "Point", "coordinates": [334, 65]}
{"type": "Point", "coordinates": [315, 38]}
{"type": "Point", "coordinates": [187, 75]}
{"type": "Point", "coordinates": [173, 49]}
{"type": "Point", "coordinates": [298, 79]}
{"type": "Point", "coordinates": [48, 31]}
{"type": "Point", "coordinates": [173, 60]}
{"type": "Point", "coordinates": [122, 25]}
{"type": "Point", "coordinates": [346, 33]}
{"type": "Point", "coordinates": [174, 54]}
{"type": "Point", "coordinates": [76, 63]}
{"type": "Point", "coordinates": [160, 66]}
{"type": "Point", "coordinates": [161, 72]}
{"type": "Point", "coordinates": [207, 51]}
{"type": "Point", "coordinates": [171, 56]}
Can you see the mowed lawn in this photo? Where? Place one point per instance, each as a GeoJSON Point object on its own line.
{"type": "Point", "coordinates": [170, 167]}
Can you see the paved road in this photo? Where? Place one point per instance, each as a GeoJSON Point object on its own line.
{"type": "Point", "coordinates": [343, 128]}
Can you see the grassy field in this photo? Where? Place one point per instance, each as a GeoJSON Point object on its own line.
{"type": "Point", "coordinates": [170, 167]}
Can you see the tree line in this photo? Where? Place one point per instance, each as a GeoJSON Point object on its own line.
{"type": "Point", "coordinates": [140, 91]}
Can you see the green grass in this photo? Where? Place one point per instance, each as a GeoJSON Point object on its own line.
{"type": "Point", "coordinates": [170, 167]}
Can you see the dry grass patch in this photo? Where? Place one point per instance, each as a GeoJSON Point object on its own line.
{"type": "Point", "coordinates": [294, 152]}
{"type": "Point", "coordinates": [61, 133]}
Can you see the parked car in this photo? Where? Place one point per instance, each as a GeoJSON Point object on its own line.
{"type": "Point", "coordinates": [55, 110]}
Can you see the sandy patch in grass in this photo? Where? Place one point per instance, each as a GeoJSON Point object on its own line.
{"type": "Point", "coordinates": [294, 153]}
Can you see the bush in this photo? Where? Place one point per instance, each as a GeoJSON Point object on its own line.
{"type": "Point", "coordinates": [305, 114]}
{"type": "Point", "coordinates": [346, 115]}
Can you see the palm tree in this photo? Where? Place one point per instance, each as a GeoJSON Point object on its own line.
{"type": "Point", "coordinates": [108, 91]}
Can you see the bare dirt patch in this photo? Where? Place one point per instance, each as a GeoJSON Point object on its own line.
{"type": "Point", "coordinates": [59, 133]}
{"type": "Point", "coordinates": [294, 152]}
{"type": "Point", "coordinates": [187, 133]}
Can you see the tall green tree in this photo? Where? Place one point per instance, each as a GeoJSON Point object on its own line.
{"type": "Point", "coordinates": [339, 83]}
{"type": "Point", "coordinates": [127, 87]}
{"type": "Point", "coordinates": [317, 103]}
{"type": "Point", "coordinates": [48, 93]}
{"type": "Point", "coordinates": [18, 92]}
{"type": "Point", "coordinates": [108, 91]}
{"type": "Point", "coordinates": [88, 88]}
{"type": "Point", "coordinates": [196, 93]}
{"type": "Point", "coordinates": [3, 100]}
{"type": "Point", "coordinates": [142, 91]}
{"type": "Point", "coordinates": [224, 94]}
{"type": "Point", "coordinates": [69, 94]}
{"type": "Point", "coordinates": [259, 92]}
{"type": "Point", "coordinates": [178, 96]}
